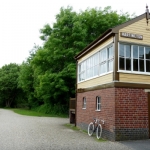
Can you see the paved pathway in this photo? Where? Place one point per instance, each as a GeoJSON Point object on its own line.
{"type": "Point", "coordinates": [137, 145]}
{"type": "Point", "coordinates": [19, 132]}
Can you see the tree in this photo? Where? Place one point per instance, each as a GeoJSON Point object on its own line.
{"type": "Point", "coordinates": [8, 84]}
{"type": "Point", "coordinates": [26, 79]}
{"type": "Point", "coordinates": [54, 65]}
{"type": "Point", "coordinates": [96, 21]}
{"type": "Point", "coordinates": [48, 76]}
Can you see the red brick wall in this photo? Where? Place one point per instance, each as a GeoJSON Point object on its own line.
{"type": "Point", "coordinates": [131, 108]}
{"type": "Point", "coordinates": [124, 110]}
{"type": "Point", "coordinates": [107, 113]}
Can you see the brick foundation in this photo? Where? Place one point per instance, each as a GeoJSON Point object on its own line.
{"type": "Point", "coordinates": [131, 122]}
{"type": "Point", "coordinates": [131, 134]}
{"type": "Point", "coordinates": [124, 111]}
{"type": "Point", "coordinates": [107, 113]}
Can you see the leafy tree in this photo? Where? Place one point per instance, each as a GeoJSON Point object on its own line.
{"type": "Point", "coordinates": [48, 76]}
{"type": "Point", "coordinates": [46, 32]}
{"type": "Point", "coordinates": [54, 65]}
{"type": "Point", "coordinates": [26, 79]}
{"type": "Point", "coordinates": [96, 21]}
{"type": "Point", "coordinates": [8, 85]}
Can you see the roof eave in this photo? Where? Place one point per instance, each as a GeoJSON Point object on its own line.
{"type": "Point", "coordinates": [105, 35]}
{"type": "Point", "coordinates": [117, 28]}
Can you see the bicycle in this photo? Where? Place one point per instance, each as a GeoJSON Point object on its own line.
{"type": "Point", "coordinates": [95, 126]}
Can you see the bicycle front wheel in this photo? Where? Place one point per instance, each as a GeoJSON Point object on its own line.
{"type": "Point", "coordinates": [90, 129]}
{"type": "Point", "coordinates": [99, 131]}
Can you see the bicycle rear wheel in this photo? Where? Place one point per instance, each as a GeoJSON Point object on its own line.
{"type": "Point", "coordinates": [90, 129]}
{"type": "Point", "coordinates": [99, 131]}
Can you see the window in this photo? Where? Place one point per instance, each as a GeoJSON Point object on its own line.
{"type": "Point", "coordinates": [134, 58]}
{"type": "Point", "coordinates": [84, 103]}
{"type": "Point", "coordinates": [103, 61]}
{"type": "Point", "coordinates": [125, 57]}
{"type": "Point", "coordinates": [110, 59]}
{"type": "Point", "coordinates": [98, 64]}
{"type": "Point", "coordinates": [82, 71]}
{"type": "Point", "coordinates": [98, 103]}
{"type": "Point", "coordinates": [92, 66]}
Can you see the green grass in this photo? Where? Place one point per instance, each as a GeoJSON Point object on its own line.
{"type": "Point", "coordinates": [34, 113]}
{"type": "Point", "coordinates": [73, 127]}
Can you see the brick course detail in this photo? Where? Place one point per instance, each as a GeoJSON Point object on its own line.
{"type": "Point", "coordinates": [131, 121]}
{"type": "Point", "coordinates": [124, 111]}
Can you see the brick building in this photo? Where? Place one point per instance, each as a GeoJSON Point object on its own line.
{"type": "Point", "coordinates": [113, 81]}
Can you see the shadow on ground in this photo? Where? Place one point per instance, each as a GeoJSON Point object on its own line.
{"type": "Point", "coordinates": [137, 145]}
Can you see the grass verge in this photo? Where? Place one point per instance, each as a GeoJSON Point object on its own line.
{"type": "Point", "coordinates": [34, 113]}
{"type": "Point", "coordinates": [73, 127]}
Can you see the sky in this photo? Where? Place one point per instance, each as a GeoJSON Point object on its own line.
{"type": "Point", "coordinates": [21, 20]}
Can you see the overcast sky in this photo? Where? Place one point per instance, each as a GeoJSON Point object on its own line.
{"type": "Point", "coordinates": [21, 20]}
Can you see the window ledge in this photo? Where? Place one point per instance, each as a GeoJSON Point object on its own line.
{"type": "Point", "coordinates": [134, 72]}
{"type": "Point", "coordinates": [83, 108]}
{"type": "Point", "coordinates": [97, 110]}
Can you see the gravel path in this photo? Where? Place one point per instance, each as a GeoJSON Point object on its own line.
{"type": "Point", "coordinates": [19, 132]}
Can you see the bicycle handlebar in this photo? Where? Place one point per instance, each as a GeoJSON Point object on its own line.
{"type": "Point", "coordinates": [97, 120]}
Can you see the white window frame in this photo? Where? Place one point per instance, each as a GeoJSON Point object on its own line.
{"type": "Point", "coordinates": [89, 72]}
{"type": "Point", "coordinates": [110, 59]}
{"type": "Point", "coordinates": [98, 103]}
{"type": "Point", "coordinates": [132, 71]}
{"type": "Point", "coordinates": [84, 103]}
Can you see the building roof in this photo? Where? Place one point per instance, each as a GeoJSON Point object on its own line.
{"type": "Point", "coordinates": [110, 32]}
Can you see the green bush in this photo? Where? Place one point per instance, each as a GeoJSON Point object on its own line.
{"type": "Point", "coordinates": [56, 109]}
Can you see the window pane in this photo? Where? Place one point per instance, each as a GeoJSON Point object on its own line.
{"type": "Point", "coordinates": [103, 68]}
{"type": "Point", "coordinates": [147, 52]}
{"type": "Point", "coordinates": [95, 59]}
{"type": "Point", "coordinates": [121, 50]}
{"type": "Point", "coordinates": [147, 66]}
{"type": "Point", "coordinates": [84, 103]}
{"type": "Point", "coordinates": [92, 61]}
{"type": "Point", "coordinates": [128, 64]}
{"type": "Point", "coordinates": [135, 51]}
{"type": "Point", "coordinates": [103, 55]}
{"type": "Point", "coordinates": [88, 63]}
{"type": "Point", "coordinates": [98, 103]}
{"type": "Point", "coordinates": [110, 52]}
{"type": "Point", "coordinates": [110, 65]}
{"type": "Point", "coordinates": [79, 66]}
{"type": "Point", "coordinates": [98, 99]}
{"type": "Point", "coordinates": [79, 77]}
{"type": "Point", "coordinates": [128, 51]}
{"type": "Point", "coordinates": [135, 64]}
{"type": "Point", "coordinates": [84, 65]}
{"type": "Point", "coordinates": [96, 70]}
{"type": "Point", "coordinates": [141, 65]}
{"type": "Point", "coordinates": [87, 73]}
{"type": "Point", "coordinates": [121, 64]}
{"type": "Point", "coordinates": [83, 76]}
{"type": "Point", "coordinates": [91, 72]}
{"type": "Point", "coordinates": [141, 52]}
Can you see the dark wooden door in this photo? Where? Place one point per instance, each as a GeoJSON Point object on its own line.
{"type": "Point", "coordinates": [149, 111]}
